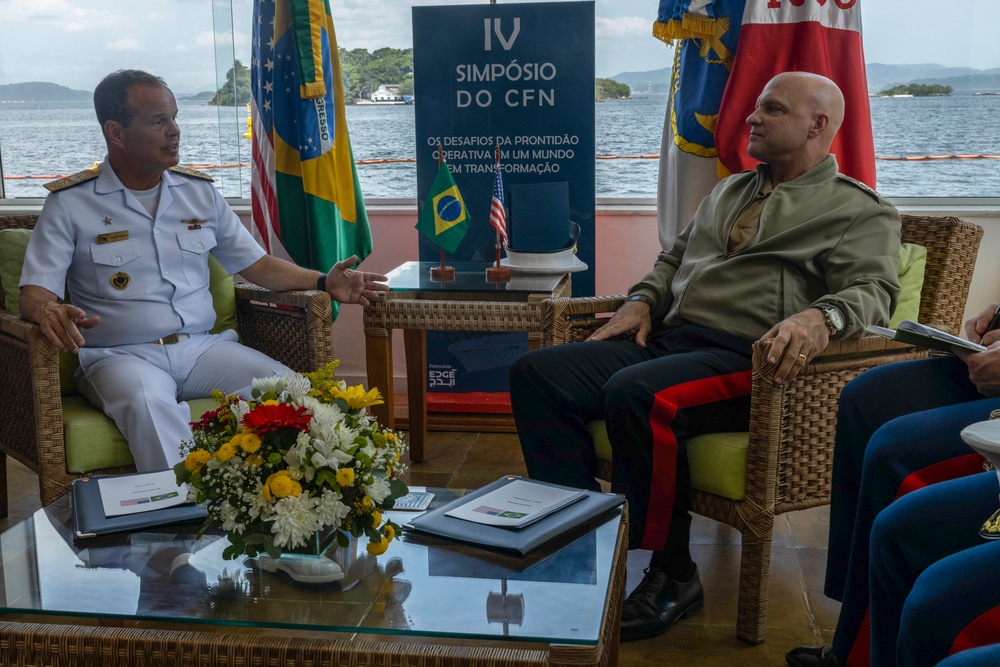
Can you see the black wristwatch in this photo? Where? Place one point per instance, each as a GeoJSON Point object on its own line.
{"type": "Point", "coordinates": [641, 297]}
{"type": "Point", "coordinates": [321, 282]}
{"type": "Point", "coordinates": [834, 318]}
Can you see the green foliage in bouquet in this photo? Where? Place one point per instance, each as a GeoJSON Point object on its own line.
{"type": "Point", "coordinates": [301, 457]}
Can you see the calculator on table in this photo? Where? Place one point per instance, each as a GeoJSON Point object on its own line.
{"type": "Point", "coordinates": [414, 501]}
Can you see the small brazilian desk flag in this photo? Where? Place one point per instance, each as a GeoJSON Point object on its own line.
{"type": "Point", "coordinates": [444, 219]}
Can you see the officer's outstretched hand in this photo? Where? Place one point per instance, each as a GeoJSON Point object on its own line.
{"type": "Point", "coordinates": [61, 323]}
{"type": "Point", "coordinates": [632, 317]}
{"type": "Point", "coordinates": [349, 286]}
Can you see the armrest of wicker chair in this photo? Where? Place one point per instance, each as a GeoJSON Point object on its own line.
{"type": "Point", "coordinates": [792, 426]}
{"type": "Point", "coordinates": [295, 328]}
{"type": "Point", "coordinates": [31, 405]}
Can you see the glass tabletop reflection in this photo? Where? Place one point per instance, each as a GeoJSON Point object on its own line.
{"type": "Point", "coordinates": [469, 277]}
{"type": "Point", "coordinates": [420, 586]}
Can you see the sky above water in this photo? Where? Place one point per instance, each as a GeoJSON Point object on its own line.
{"type": "Point", "coordinates": [75, 43]}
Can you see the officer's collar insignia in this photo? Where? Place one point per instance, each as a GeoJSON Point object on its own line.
{"type": "Point", "coordinates": [194, 173]}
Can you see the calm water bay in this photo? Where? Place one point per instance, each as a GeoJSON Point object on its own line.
{"type": "Point", "coordinates": [48, 139]}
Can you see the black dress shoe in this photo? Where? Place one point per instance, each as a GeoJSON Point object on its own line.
{"type": "Point", "coordinates": [658, 602]}
{"type": "Point", "coordinates": [812, 656]}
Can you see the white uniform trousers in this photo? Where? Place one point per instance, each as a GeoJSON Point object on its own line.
{"type": "Point", "coordinates": [143, 387]}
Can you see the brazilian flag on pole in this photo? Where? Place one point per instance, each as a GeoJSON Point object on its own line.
{"type": "Point", "coordinates": [306, 195]}
{"type": "Point", "coordinates": [444, 219]}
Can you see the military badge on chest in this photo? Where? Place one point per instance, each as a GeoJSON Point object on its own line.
{"type": "Point", "coordinates": [120, 280]}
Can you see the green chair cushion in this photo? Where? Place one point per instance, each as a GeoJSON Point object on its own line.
{"type": "Point", "coordinates": [93, 442]}
{"type": "Point", "coordinates": [13, 243]}
{"type": "Point", "coordinates": [717, 461]}
{"type": "Point", "coordinates": [912, 264]}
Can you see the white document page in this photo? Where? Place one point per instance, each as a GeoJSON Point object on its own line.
{"type": "Point", "coordinates": [516, 504]}
{"type": "Point", "coordinates": [131, 494]}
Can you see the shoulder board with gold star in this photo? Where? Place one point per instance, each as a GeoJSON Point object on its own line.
{"type": "Point", "coordinates": [70, 181]}
{"type": "Point", "coordinates": [194, 173]}
{"type": "Point", "coordinates": [862, 186]}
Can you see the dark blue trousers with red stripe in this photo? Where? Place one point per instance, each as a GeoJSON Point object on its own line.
{"type": "Point", "coordinates": [935, 582]}
{"type": "Point", "coordinates": [898, 429]}
{"type": "Point", "coordinates": [686, 381]}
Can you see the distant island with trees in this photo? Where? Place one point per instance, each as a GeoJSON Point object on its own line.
{"type": "Point", "coordinates": [918, 90]}
{"type": "Point", "coordinates": [609, 89]}
{"type": "Point", "coordinates": [363, 72]}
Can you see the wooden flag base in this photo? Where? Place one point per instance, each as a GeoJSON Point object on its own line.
{"type": "Point", "coordinates": [498, 274]}
{"type": "Point", "coordinates": [442, 273]}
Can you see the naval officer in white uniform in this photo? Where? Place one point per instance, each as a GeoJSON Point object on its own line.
{"type": "Point", "coordinates": [129, 240]}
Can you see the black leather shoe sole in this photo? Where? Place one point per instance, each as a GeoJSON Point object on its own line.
{"type": "Point", "coordinates": [650, 629]}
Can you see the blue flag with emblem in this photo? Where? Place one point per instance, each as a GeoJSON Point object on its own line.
{"type": "Point", "coordinates": [444, 218]}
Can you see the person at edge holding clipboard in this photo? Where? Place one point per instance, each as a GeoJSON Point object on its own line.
{"type": "Point", "coordinates": [898, 430]}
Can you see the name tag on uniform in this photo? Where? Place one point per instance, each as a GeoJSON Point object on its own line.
{"type": "Point", "coordinates": [112, 237]}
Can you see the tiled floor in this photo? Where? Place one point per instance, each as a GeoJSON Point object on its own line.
{"type": "Point", "coordinates": [798, 613]}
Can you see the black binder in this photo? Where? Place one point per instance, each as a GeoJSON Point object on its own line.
{"type": "Point", "coordinates": [519, 542]}
{"type": "Point", "coordinates": [89, 519]}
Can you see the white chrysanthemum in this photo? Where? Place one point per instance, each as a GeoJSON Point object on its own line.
{"type": "Point", "coordinates": [346, 436]}
{"type": "Point", "coordinates": [274, 384]}
{"type": "Point", "coordinates": [378, 489]}
{"type": "Point", "coordinates": [330, 510]}
{"type": "Point", "coordinates": [295, 520]}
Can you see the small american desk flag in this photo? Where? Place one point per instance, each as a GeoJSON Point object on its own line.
{"type": "Point", "coordinates": [498, 216]}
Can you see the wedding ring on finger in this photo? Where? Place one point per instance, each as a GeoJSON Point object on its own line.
{"type": "Point", "coordinates": [803, 359]}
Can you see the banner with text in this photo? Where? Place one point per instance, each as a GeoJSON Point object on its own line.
{"type": "Point", "coordinates": [519, 77]}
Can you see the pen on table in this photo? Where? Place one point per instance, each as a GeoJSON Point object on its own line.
{"type": "Point", "coordinates": [993, 322]}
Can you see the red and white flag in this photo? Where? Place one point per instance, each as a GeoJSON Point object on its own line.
{"type": "Point", "coordinates": [818, 36]}
{"type": "Point", "coordinates": [498, 215]}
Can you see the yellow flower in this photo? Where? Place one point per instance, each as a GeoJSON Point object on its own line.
{"type": "Point", "coordinates": [367, 502]}
{"type": "Point", "coordinates": [196, 459]}
{"type": "Point", "coordinates": [226, 451]}
{"type": "Point", "coordinates": [345, 477]}
{"type": "Point", "coordinates": [390, 437]}
{"type": "Point", "coordinates": [255, 461]}
{"type": "Point", "coordinates": [376, 519]}
{"type": "Point", "coordinates": [271, 402]}
{"type": "Point", "coordinates": [283, 487]}
{"type": "Point", "coordinates": [250, 442]}
{"type": "Point", "coordinates": [378, 548]}
{"type": "Point", "coordinates": [389, 532]}
{"type": "Point", "coordinates": [356, 396]}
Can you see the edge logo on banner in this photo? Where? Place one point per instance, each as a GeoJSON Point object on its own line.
{"type": "Point", "coordinates": [511, 88]}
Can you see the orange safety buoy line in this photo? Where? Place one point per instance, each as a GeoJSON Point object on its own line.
{"type": "Point", "coordinates": [234, 165]}
{"type": "Point", "coordinates": [918, 158]}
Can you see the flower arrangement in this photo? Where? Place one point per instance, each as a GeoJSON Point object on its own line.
{"type": "Point", "coordinates": [299, 458]}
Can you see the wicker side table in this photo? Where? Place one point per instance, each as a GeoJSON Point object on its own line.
{"type": "Point", "coordinates": [456, 306]}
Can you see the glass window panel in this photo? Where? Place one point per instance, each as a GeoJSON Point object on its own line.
{"type": "Point", "coordinates": [926, 146]}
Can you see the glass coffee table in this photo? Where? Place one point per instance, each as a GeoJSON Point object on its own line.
{"type": "Point", "coordinates": [163, 597]}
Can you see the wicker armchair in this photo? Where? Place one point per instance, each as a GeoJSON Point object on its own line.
{"type": "Point", "coordinates": [292, 327]}
{"type": "Point", "coordinates": [790, 443]}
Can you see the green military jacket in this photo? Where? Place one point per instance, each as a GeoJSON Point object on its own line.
{"type": "Point", "coordinates": [823, 238]}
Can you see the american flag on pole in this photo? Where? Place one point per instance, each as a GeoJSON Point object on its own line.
{"type": "Point", "coordinates": [306, 200]}
{"type": "Point", "coordinates": [498, 216]}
